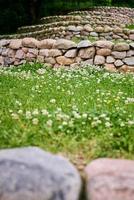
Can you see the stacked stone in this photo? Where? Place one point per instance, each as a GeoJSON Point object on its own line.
{"type": "Point", "coordinates": [67, 53]}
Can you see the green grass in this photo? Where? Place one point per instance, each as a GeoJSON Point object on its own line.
{"type": "Point", "coordinates": [131, 26]}
{"type": "Point", "coordinates": [85, 111]}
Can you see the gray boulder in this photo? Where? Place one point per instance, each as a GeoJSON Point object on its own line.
{"type": "Point", "coordinates": [32, 174]}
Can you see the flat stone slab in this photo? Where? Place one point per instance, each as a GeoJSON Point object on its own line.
{"type": "Point", "coordinates": [110, 179]}
{"type": "Point", "coordinates": [32, 174]}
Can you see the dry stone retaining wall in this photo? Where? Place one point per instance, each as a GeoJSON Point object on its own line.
{"type": "Point", "coordinates": [65, 52]}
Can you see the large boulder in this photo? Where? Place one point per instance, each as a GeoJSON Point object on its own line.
{"type": "Point", "coordinates": [32, 174]}
{"type": "Point", "coordinates": [15, 44]}
{"type": "Point", "coordinates": [64, 44]}
{"type": "Point", "coordinates": [109, 179]}
{"type": "Point", "coordinates": [129, 61]}
{"type": "Point", "coordinates": [30, 42]}
{"type": "Point", "coordinates": [46, 44]}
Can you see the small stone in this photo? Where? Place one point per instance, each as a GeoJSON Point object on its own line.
{"type": "Point", "coordinates": [32, 174]}
{"type": "Point", "coordinates": [54, 53]}
{"type": "Point", "coordinates": [88, 62]}
{"type": "Point", "coordinates": [110, 67]}
{"type": "Point", "coordinates": [129, 61]}
{"type": "Point", "coordinates": [130, 53]}
{"type": "Point", "coordinates": [15, 44]}
{"type": "Point", "coordinates": [5, 51]}
{"type": "Point", "coordinates": [117, 30]}
{"type": "Point", "coordinates": [11, 53]}
{"type": "Point", "coordinates": [121, 47]}
{"type": "Point", "coordinates": [119, 55]}
{"type": "Point", "coordinates": [50, 60]}
{"type": "Point", "coordinates": [71, 53]}
{"type": "Point", "coordinates": [84, 44]}
{"type": "Point", "coordinates": [104, 52]}
{"type": "Point", "coordinates": [62, 60]}
{"type": "Point", "coordinates": [118, 63]}
{"type": "Point", "coordinates": [4, 42]}
{"type": "Point", "coordinates": [87, 53]}
{"type": "Point", "coordinates": [40, 59]}
{"type": "Point", "coordinates": [64, 44]}
{"type": "Point", "coordinates": [99, 60]}
{"type": "Point", "coordinates": [20, 54]}
{"type": "Point", "coordinates": [93, 34]}
{"type": "Point", "coordinates": [131, 36]}
{"type": "Point", "coordinates": [99, 29]}
{"type": "Point", "coordinates": [33, 51]}
{"type": "Point", "coordinates": [44, 52]}
{"type": "Point", "coordinates": [30, 42]}
{"type": "Point", "coordinates": [8, 61]}
{"type": "Point", "coordinates": [110, 59]}
{"type": "Point", "coordinates": [109, 179]}
{"type": "Point", "coordinates": [88, 28]}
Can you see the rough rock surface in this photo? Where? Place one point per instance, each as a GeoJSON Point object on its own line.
{"type": "Point", "coordinates": [32, 174]}
{"type": "Point", "coordinates": [109, 179]}
{"type": "Point", "coordinates": [64, 44]}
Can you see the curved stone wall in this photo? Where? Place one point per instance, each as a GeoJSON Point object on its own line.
{"type": "Point", "coordinates": [65, 52]}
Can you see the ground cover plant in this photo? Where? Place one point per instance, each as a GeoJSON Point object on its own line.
{"type": "Point", "coordinates": [82, 112]}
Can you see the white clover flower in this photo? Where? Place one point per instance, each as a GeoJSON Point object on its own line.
{"type": "Point", "coordinates": [84, 115]}
{"type": "Point", "coordinates": [35, 121]}
{"type": "Point", "coordinates": [64, 123]}
{"type": "Point", "coordinates": [28, 115]}
{"type": "Point", "coordinates": [14, 116]}
{"type": "Point", "coordinates": [49, 123]}
{"type": "Point", "coordinates": [52, 100]}
{"type": "Point", "coordinates": [44, 112]}
{"type": "Point", "coordinates": [130, 122]}
{"type": "Point", "coordinates": [41, 71]}
{"type": "Point", "coordinates": [108, 124]}
{"type": "Point", "coordinates": [20, 111]}
{"type": "Point", "coordinates": [35, 112]}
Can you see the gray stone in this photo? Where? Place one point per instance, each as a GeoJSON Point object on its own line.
{"type": "Point", "coordinates": [71, 53]}
{"type": "Point", "coordinates": [32, 174]}
{"type": "Point", "coordinates": [129, 61]}
{"type": "Point", "coordinates": [118, 63]}
{"type": "Point", "coordinates": [84, 44]}
{"type": "Point", "coordinates": [50, 60]}
{"type": "Point", "coordinates": [4, 42]}
{"type": "Point", "coordinates": [109, 179]}
{"type": "Point", "coordinates": [64, 44]}
{"type": "Point", "coordinates": [93, 34]}
{"type": "Point", "coordinates": [110, 59]}
{"type": "Point", "coordinates": [130, 53]}
{"type": "Point", "coordinates": [20, 54]}
{"type": "Point", "coordinates": [119, 55]}
{"type": "Point", "coordinates": [99, 60]}
{"type": "Point", "coordinates": [54, 52]}
{"type": "Point", "coordinates": [87, 53]}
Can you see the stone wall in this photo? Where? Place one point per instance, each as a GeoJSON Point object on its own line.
{"type": "Point", "coordinates": [67, 53]}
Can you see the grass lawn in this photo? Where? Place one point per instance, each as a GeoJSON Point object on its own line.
{"type": "Point", "coordinates": [82, 113]}
{"type": "Point", "coordinates": [131, 26]}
